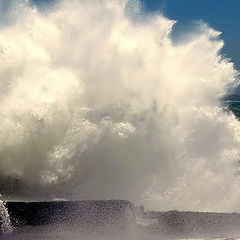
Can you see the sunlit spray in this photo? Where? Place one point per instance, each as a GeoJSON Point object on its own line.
{"type": "Point", "coordinates": [4, 218]}
{"type": "Point", "coordinates": [98, 105]}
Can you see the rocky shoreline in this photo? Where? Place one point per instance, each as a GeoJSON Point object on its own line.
{"type": "Point", "coordinates": [122, 215]}
{"type": "Point", "coordinates": [192, 224]}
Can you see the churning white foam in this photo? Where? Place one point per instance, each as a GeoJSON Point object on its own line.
{"type": "Point", "coordinates": [95, 105]}
{"type": "Point", "coordinates": [5, 218]}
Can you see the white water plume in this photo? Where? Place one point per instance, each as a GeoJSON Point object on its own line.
{"type": "Point", "coordinates": [95, 105]}
{"type": "Point", "coordinates": [4, 218]}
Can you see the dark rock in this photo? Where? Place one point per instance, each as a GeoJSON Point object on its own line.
{"type": "Point", "coordinates": [195, 224]}
{"type": "Point", "coordinates": [85, 214]}
{"type": "Point", "coordinates": [119, 214]}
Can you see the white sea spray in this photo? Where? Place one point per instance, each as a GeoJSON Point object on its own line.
{"type": "Point", "coordinates": [95, 105]}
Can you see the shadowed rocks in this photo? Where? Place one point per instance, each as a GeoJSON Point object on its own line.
{"type": "Point", "coordinates": [92, 215]}
{"type": "Point", "coordinates": [119, 214]}
{"type": "Point", "coordinates": [194, 224]}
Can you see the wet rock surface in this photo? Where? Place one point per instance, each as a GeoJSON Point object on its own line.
{"type": "Point", "coordinates": [86, 214]}
{"type": "Point", "coordinates": [193, 224]}
{"type": "Point", "coordinates": [111, 215]}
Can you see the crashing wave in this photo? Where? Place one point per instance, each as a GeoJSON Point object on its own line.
{"type": "Point", "coordinates": [96, 105]}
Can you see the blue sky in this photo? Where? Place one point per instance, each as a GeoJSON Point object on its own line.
{"type": "Point", "coordinates": [223, 15]}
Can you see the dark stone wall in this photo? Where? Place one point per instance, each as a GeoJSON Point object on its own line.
{"type": "Point", "coordinates": [194, 224]}
{"type": "Point", "coordinates": [83, 213]}
{"type": "Point", "coordinates": [120, 214]}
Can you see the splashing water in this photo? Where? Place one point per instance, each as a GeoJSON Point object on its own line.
{"type": "Point", "coordinates": [4, 218]}
{"type": "Point", "coordinates": [95, 105]}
